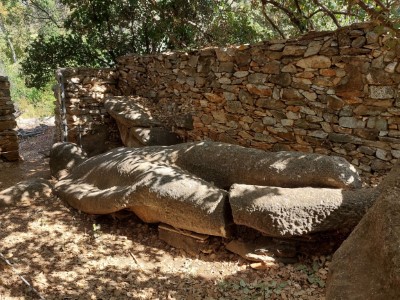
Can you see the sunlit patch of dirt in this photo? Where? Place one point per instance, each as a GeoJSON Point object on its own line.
{"type": "Point", "coordinates": [65, 254]}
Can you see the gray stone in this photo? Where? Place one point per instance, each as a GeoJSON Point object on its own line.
{"type": "Point", "coordinates": [234, 107]}
{"type": "Point", "coordinates": [367, 265]}
{"type": "Point", "coordinates": [359, 42]}
{"type": "Point", "coordinates": [294, 50]}
{"type": "Point", "coordinates": [241, 74]}
{"type": "Point", "coordinates": [269, 121]}
{"type": "Point", "coordinates": [257, 78]}
{"type": "Point", "coordinates": [343, 138]}
{"type": "Point", "coordinates": [382, 154]}
{"type": "Point", "coordinates": [127, 112]}
{"type": "Point", "coordinates": [377, 123]}
{"type": "Point", "coordinates": [381, 92]}
{"type": "Point", "coordinates": [153, 136]}
{"type": "Point", "coordinates": [246, 97]}
{"type": "Point", "coordinates": [318, 134]}
{"type": "Point", "coordinates": [367, 150]}
{"type": "Point", "coordinates": [283, 212]}
{"type": "Point", "coordinates": [65, 157]}
{"type": "Point", "coordinates": [351, 122]}
{"type": "Point", "coordinates": [372, 37]}
{"type": "Point", "coordinates": [313, 48]}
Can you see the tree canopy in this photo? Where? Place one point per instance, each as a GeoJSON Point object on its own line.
{"type": "Point", "coordinates": [46, 34]}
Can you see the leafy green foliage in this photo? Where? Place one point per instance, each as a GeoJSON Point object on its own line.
{"type": "Point", "coordinates": [93, 33]}
{"type": "Point", "coordinates": [97, 32]}
{"type": "Point", "coordinates": [46, 54]}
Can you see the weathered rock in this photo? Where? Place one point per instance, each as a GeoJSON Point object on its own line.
{"type": "Point", "coordinates": [65, 157]}
{"type": "Point", "coordinates": [367, 265]}
{"type": "Point", "coordinates": [314, 62]}
{"type": "Point", "coordinates": [129, 113]}
{"type": "Point", "coordinates": [283, 212]}
{"type": "Point", "coordinates": [222, 164]}
{"type": "Point", "coordinates": [139, 137]}
{"type": "Point", "coordinates": [381, 92]}
{"type": "Point", "coordinates": [140, 180]}
{"type": "Point", "coordinates": [137, 127]}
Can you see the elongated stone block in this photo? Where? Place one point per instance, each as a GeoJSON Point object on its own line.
{"type": "Point", "coordinates": [284, 212]}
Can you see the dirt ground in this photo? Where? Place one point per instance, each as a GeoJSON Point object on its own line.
{"type": "Point", "coordinates": [49, 250]}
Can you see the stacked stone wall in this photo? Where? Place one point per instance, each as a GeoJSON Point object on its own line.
{"type": "Point", "coordinates": [80, 114]}
{"type": "Point", "coordinates": [9, 150]}
{"type": "Point", "coordinates": [330, 92]}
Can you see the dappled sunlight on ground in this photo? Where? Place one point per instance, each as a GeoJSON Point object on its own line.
{"type": "Point", "coordinates": [65, 254]}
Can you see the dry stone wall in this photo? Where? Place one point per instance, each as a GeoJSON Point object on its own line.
{"type": "Point", "coordinates": [329, 92]}
{"type": "Point", "coordinates": [8, 135]}
{"type": "Point", "coordinates": [332, 93]}
{"type": "Point", "coordinates": [80, 114]}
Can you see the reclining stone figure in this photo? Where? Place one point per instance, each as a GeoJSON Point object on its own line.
{"type": "Point", "coordinates": [186, 185]}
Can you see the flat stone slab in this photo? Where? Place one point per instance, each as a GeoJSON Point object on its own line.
{"type": "Point", "coordinates": [286, 212]}
{"type": "Point", "coordinates": [136, 125]}
{"type": "Point", "coordinates": [129, 113]}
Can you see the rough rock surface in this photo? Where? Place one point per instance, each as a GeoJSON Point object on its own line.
{"type": "Point", "coordinates": [367, 265]}
{"type": "Point", "coordinates": [180, 185]}
{"type": "Point", "coordinates": [136, 125]}
{"type": "Point", "coordinates": [64, 157]}
{"type": "Point", "coordinates": [284, 212]}
{"type": "Point", "coordinates": [225, 164]}
{"type": "Point", "coordinates": [155, 191]}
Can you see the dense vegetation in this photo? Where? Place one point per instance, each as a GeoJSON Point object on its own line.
{"type": "Point", "coordinates": [37, 36]}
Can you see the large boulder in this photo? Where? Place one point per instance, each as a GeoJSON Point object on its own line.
{"type": "Point", "coordinates": [367, 265]}
{"type": "Point", "coordinates": [286, 212]}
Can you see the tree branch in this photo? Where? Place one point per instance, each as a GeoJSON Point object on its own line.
{"type": "Point", "coordinates": [292, 17]}
{"type": "Point", "coordinates": [376, 15]}
{"type": "Point", "coordinates": [327, 12]}
{"type": "Point", "coordinates": [271, 22]}
{"type": "Point", "coordinates": [49, 16]}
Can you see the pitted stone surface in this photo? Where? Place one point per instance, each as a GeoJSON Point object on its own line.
{"type": "Point", "coordinates": [284, 212]}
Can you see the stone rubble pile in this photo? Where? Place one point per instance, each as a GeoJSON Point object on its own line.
{"type": "Point", "coordinates": [9, 150]}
